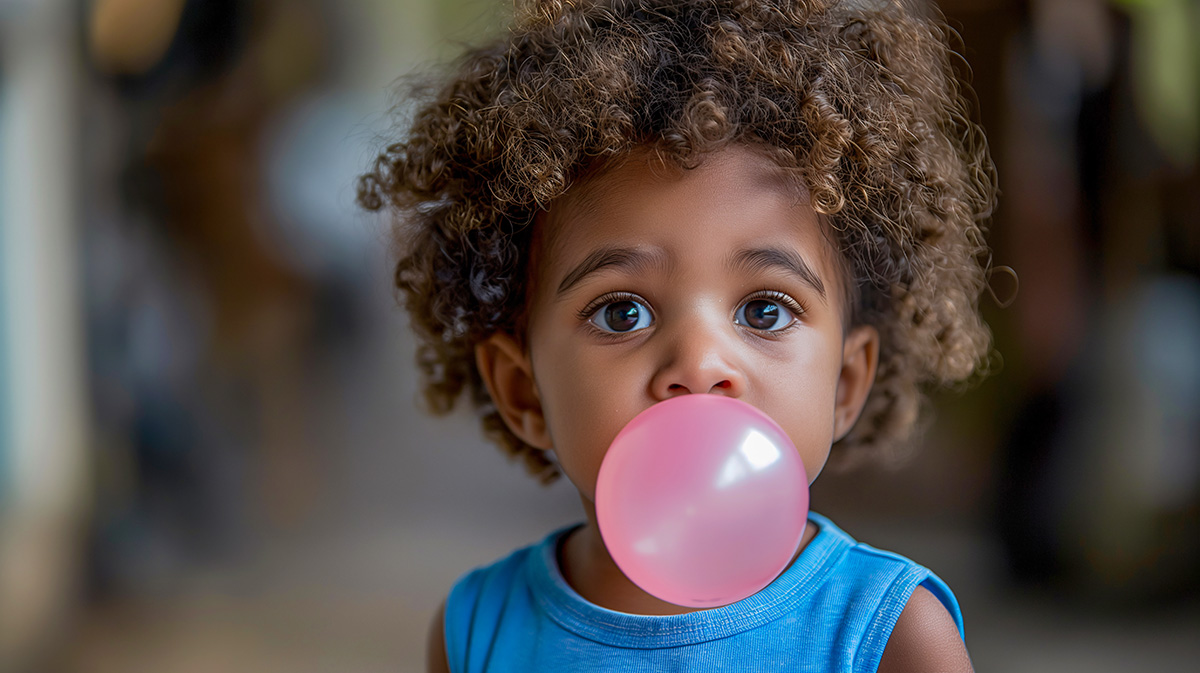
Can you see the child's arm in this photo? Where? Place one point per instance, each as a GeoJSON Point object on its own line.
{"type": "Point", "coordinates": [925, 639]}
{"type": "Point", "coordinates": [435, 653]}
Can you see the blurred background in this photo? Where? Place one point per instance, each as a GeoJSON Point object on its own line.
{"type": "Point", "coordinates": [212, 457]}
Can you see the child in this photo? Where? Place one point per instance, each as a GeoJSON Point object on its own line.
{"type": "Point", "coordinates": [623, 201]}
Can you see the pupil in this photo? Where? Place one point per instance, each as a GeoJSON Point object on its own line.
{"type": "Point", "coordinates": [622, 316]}
{"type": "Point", "coordinates": [762, 314]}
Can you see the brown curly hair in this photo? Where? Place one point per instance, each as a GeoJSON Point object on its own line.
{"type": "Point", "coordinates": [857, 99]}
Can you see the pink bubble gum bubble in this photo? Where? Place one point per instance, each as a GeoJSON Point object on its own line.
{"type": "Point", "coordinates": [702, 500]}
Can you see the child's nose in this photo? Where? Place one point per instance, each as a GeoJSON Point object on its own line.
{"type": "Point", "coordinates": [698, 363]}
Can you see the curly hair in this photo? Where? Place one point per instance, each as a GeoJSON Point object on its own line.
{"type": "Point", "coordinates": [857, 99]}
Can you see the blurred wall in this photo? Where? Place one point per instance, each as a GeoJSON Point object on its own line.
{"type": "Point", "coordinates": [44, 421]}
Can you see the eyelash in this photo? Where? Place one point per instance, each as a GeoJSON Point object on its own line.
{"type": "Point", "coordinates": [608, 298]}
{"type": "Point", "coordinates": [794, 306]}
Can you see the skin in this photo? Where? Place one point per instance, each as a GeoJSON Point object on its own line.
{"type": "Point", "coordinates": [705, 322]}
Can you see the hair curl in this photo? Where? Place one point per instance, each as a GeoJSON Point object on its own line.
{"type": "Point", "coordinates": [858, 99]}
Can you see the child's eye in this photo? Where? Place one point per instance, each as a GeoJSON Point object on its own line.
{"type": "Point", "coordinates": [767, 314]}
{"type": "Point", "coordinates": [622, 316]}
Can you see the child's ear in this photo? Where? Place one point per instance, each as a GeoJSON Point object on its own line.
{"type": "Point", "coordinates": [860, 357]}
{"type": "Point", "coordinates": [508, 375]}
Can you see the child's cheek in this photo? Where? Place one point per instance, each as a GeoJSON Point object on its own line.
{"type": "Point", "coordinates": [803, 401]}
{"type": "Point", "coordinates": [814, 450]}
{"type": "Point", "coordinates": [580, 434]}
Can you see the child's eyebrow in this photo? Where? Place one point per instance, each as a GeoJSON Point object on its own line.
{"type": "Point", "coordinates": [760, 259]}
{"type": "Point", "coordinates": [635, 260]}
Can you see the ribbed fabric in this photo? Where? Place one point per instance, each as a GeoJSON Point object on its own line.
{"type": "Point", "coordinates": [832, 610]}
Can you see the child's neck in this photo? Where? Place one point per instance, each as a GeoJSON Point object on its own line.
{"type": "Point", "coordinates": [589, 569]}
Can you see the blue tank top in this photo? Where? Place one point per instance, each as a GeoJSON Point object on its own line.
{"type": "Point", "coordinates": [833, 609]}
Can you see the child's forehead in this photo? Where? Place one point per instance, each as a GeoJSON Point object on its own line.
{"type": "Point", "coordinates": [617, 205]}
{"type": "Point", "coordinates": [603, 185]}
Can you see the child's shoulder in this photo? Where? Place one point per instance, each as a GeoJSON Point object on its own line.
{"type": "Point", "coordinates": [894, 576]}
{"type": "Point", "coordinates": [491, 597]}
{"type": "Point", "coordinates": [487, 583]}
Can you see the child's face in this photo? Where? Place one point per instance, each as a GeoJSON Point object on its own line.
{"type": "Point", "coordinates": [652, 282]}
